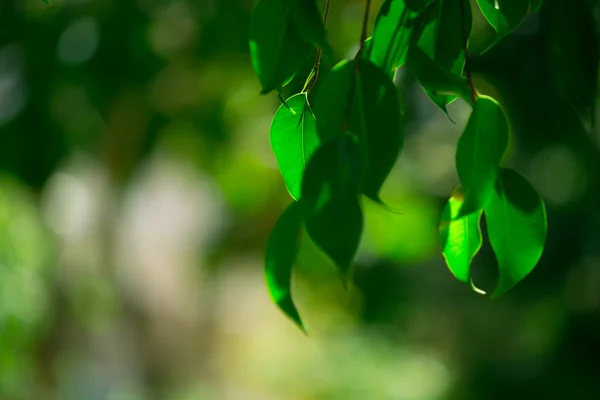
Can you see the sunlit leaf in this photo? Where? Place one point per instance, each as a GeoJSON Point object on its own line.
{"type": "Point", "coordinates": [435, 78]}
{"type": "Point", "coordinates": [281, 252]}
{"type": "Point", "coordinates": [479, 152]}
{"type": "Point", "coordinates": [460, 238]}
{"type": "Point", "coordinates": [330, 194]}
{"type": "Point", "coordinates": [391, 35]}
{"type": "Point", "coordinates": [503, 15]}
{"type": "Point", "coordinates": [277, 50]}
{"type": "Point", "coordinates": [309, 23]}
{"type": "Point", "coordinates": [517, 226]}
{"type": "Point", "coordinates": [293, 140]}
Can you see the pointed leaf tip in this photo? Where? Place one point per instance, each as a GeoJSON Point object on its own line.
{"type": "Point", "coordinates": [281, 252]}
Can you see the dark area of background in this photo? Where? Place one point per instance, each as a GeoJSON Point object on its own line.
{"type": "Point", "coordinates": [138, 189]}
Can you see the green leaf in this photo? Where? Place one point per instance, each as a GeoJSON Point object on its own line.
{"type": "Point", "coordinates": [418, 5]}
{"type": "Point", "coordinates": [309, 23]}
{"type": "Point", "coordinates": [573, 53]}
{"type": "Point", "coordinates": [479, 152]}
{"type": "Point", "coordinates": [363, 94]}
{"type": "Point", "coordinates": [443, 40]}
{"type": "Point", "coordinates": [517, 227]}
{"type": "Point", "coordinates": [330, 194]}
{"type": "Point", "coordinates": [277, 50]}
{"type": "Point", "coordinates": [503, 15]}
{"type": "Point", "coordinates": [536, 5]}
{"type": "Point", "coordinates": [281, 252]}
{"type": "Point", "coordinates": [435, 78]}
{"type": "Point", "coordinates": [460, 239]}
{"type": "Point", "coordinates": [391, 35]}
{"type": "Point", "coordinates": [377, 123]}
{"type": "Point", "coordinates": [294, 139]}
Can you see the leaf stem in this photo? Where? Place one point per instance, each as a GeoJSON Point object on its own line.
{"type": "Point", "coordinates": [315, 71]}
{"type": "Point", "coordinates": [363, 33]}
{"type": "Point", "coordinates": [465, 35]}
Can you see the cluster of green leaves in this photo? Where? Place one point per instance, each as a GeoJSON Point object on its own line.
{"type": "Point", "coordinates": [337, 146]}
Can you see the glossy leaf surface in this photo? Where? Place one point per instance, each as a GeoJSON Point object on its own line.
{"type": "Point", "coordinates": [517, 227]}
{"type": "Point", "coordinates": [330, 194]}
{"type": "Point", "coordinates": [479, 152]}
{"type": "Point", "coordinates": [294, 139]}
{"type": "Point", "coordinates": [460, 238]}
{"type": "Point", "coordinates": [281, 252]}
{"type": "Point", "coordinates": [504, 15]}
{"type": "Point", "coordinates": [277, 50]}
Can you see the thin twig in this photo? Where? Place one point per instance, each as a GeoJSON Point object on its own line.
{"type": "Point", "coordinates": [465, 48]}
{"type": "Point", "coordinates": [319, 54]}
{"type": "Point", "coordinates": [352, 90]}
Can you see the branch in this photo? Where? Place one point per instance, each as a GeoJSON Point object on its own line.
{"type": "Point", "coordinates": [315, 71]}
{"type": "Point", "coordinates": [465, 35]}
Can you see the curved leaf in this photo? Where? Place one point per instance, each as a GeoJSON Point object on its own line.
{"type": "Point", "coordinates": [503, 15]}
{"type": "Point", "coordinates": [536, 5]}
{"type": "Point", "coordinates": [517, 227]}
{"type": "Point", "coordinates": [277, 50]}
{"type": "Point", "coordinates": [443, 40]}
{"type": "Point", "coordinates": [294, 139]}
{"type": "Point", "coordinates": [330, 194]}
{"type": "Point", "coordinates": [460, 239]}
{"type": "Point", "coordinates": [309, 24]}
{"type": "Point", "coordinates": [377, 124]}
{"type": "Point", "coordinates": [479, 152]}
{"type": "Point", "coordinates": [435, 78]}
{"type": "Point", "coordinates": [391, 35]}
{"type": "Point", "coordinates": [281, 252]}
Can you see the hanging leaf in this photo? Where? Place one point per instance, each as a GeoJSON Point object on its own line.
{"type": "Point", "coordinates": [460, 238]}
{"type": "Point", "coordinates": [377, 123]}
{"type": "Point", "coordinates": [479, 152]}
{"type": "Point", "coordinates": [435, 78]}
{"type": "Point", "coordinates": [309, 23]}
{"type": "Point", "coordinates": [330, 195]}
{"type": "Point", "coordinates": [517, 226]}
{"type": "Point", "coordinates": [443, 40]}
{"type": "Point", "coordinates": [536, 5]}
{"type": "Point", "coordinates": [391, 36]}
{"type": "Point", "coordinates": [573, 53]}
{"type": "Point", "coordinates": [293, 140]}
{"type": "Point", "coordinates": [277, 50]}
{"type": "Point", "coordinates": [503, 15]}
{"type": "Point", "coordinates": [281, 252]}
{"type": "Point", "coordinates": [373, 115]}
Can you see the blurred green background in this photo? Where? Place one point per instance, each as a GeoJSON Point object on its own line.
{"type": "Point", "coordinates": [138, 190]}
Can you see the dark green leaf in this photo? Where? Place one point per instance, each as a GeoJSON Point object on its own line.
{"type": "Point", "coordinates": [443, 40]}
{"type": "Point", "coordinates": [504, 15]}
{"type": "Point", "coordinates": [293, 140]}
{"type": "Point", "coordinates": [330, 194]}
{"type": "Point", "coordinates": [517, 226]}
{"type": "Point", "coordinates": [435, 78]}
{"type": "Point", "coordinates": [281, 252]}
{"type": "Point", "coordinates": [573, 53]}
{"type": "Point", "coordinates": [277, 50]}
{"type": "Point", "coordinates": [309, 23]}
{"type": "Point", "coordinates": [479, 152]}
{"type": "Point", "coordinates": [377, 123]}
{"type": "Point", "coordinates": [373, 115]}
{"type": "Point", "coordinates": [536, 5]}
{"type": "Point", "coordinates": [418, 5]}
{"type": "Point", "coordinates": [460, 238]}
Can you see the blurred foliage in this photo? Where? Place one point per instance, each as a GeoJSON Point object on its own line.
{"type": "Point", "coordinates": [138, 190]}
